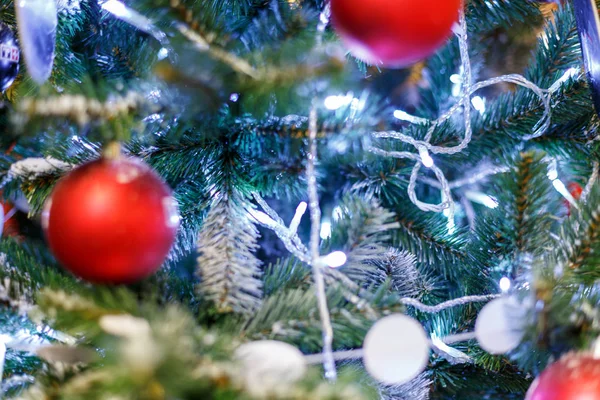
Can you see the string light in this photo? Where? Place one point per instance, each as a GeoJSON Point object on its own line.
{"type": "Point", "coordinates": [559, 185]}
{"type": "Point", "coordinates": [335, 102]}
{"type": "Point", "coordinates": [505, 284]}
{"type": "Point", "coordinates": [335, 259]}
{"type": "Point", "coordinates": [325, 230]}
{"type": "Point", "coordinates": [425, 157]}
{"type": "Point", "coordinates": [482, 198]}
{"type": "Point", "coordinates": [479, 104]}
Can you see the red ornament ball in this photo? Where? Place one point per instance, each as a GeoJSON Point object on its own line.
{"type": "Point", "coordinates": [395, 33]}
{"type": "Point", "coordinates": [573, 377]}
{"type": "Point", "coordinates": [111, 221]}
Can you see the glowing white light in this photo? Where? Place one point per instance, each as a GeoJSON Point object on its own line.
{"type": "Point", "coordinates": [163, 53]}
{"type": "Point", "coordinates": [562, 189]}
{"type": "Point", "coordinates": [337, 213]}
{"type": "Point", "coordinates": [325, 230]}
{"type": "Point", "coordinates": [335, 259]}
{"type": "Point", "coordinates": [262, 217]}
{"type": "Point", "coordinates": [335, 102]}
{"type": "Point", "coordinates": [479, 104]}
{"type": "Point", "coordinates": [483, 199]}
{"type": "Point", "coordinates": [116, 7]}
{"type": "Point", "coordinates": [505, 284]}
{"type": "Point", "coordinates": [234, 97]}
{"type": "Point", "coordinates": [456, 79]}
{"type": "Point", "coordinates": [404, 116]}
{"type": "Point", "coordinates": [425, 157]}
{"type": "Point", "coordinates": [560, 186]}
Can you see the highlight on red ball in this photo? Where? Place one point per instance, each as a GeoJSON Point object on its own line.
{"type": "Point", "coordinates": [394, 33]}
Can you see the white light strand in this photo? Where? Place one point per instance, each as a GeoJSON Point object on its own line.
{"type": "Point", "coordinates": [424, 147]}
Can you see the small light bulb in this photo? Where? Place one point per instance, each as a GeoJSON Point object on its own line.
{"type": "Point", "coordinates": [479, 104]}
{"type": "Point", "coordinates": [335, 102]}
{"type": "Point", "coordinates": [425, 157]}
{"type": "Point", "coordinates": [115, 7]}
{"type": "Point", "coordinates": [505, 284]}
{"type": "Point", "coordinates": [325, 230]}
{"type": "Point", "coordinates": [335, 259]}
{"type": "Point", "coordinates": [262, 217]}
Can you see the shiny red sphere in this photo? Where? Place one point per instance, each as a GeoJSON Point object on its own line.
{"type": "Point", "coordinates": [573, 377]}
{"type": "Point", "coordinates": [394, 33]}
{"type": "Point", "coordinates": [111, 221]}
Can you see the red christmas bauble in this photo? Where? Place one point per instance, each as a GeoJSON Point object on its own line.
{"type": "Point", "coordinates": [394, 33]}
{"type": "Point", "coordinates": [573, 377]}
{"type": "Point", "coordinates": [111, 221]}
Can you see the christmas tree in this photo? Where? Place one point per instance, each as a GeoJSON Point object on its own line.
{"type": "Point", "coordinates": [299, 199]}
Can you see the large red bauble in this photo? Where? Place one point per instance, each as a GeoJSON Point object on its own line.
{"type": "Point", "coordinates": [111, 221]}
{"type": "Point", "coordinates": [394, 33]}
{"type": "Point", "coordinates": [573, 377]}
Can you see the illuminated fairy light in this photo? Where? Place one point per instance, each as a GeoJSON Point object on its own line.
{"type": "Point", "coordinates": [559, 186]}
{"type": "Point", "coordinates": [457, 81]}
{"type": "Point", "coordinates": [404, 116]}
{"type": "Point", "coordinates": [116, 7]}
{"type": "Point", "coordinates": [335, 259]}
{"type": "Point", "coordinates": [479, 104]}
{"type": "Point", "coordinates": [300, 211]}
{"type": "Point", "coordinates": [262, 217]}
{"type": "Point", "coordinates": [336, 102]}
{"type": "Point", "coordinates": [325, 230]}
{"type": "Point", "coordinates": [425, 157]}
{"type": "Point", "coordinates": [483, 199]}
{"type": "Point", "coordinates": [505, 284]}
{"type": "Point", "coordinates": [163, 53]}
{"type": "Point", "coordinates": [337, 213]}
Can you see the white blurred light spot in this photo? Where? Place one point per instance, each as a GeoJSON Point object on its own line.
{"type": "Point", "coordinates": [163, 53]}
{"type": "Point", "coordinates": [325, 230]}
{"type": "Point", "coordinates": [479, 104]}
{"type": "Point", "coordinates": [483, 199]}
{"type": "Point", "coordinates": [335, 102]}
{"type": "Point", "coordinates": [505, 284]}
{"type": "Point", "coordinates": [335, 259]}
{"type": "Point", "coordinates": [404, 116]}
{"type": "Point", "coordinates": [425, 157]}
{"type": "Point", "coordinates": [337, 213]}
{"type": "Point", "coordinates": [234, 97]}
{"type": "Point", "coordinates": [560, 186]}
{"type": "Point", "coordinates": [116, 7]}
{"type": "Point", "coordinates": [262, 217]}
{"type": "Point", "coordinates": [456, 79]}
